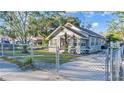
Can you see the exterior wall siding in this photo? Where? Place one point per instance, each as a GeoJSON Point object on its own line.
{"type": "Point", "coordinates": [79, 48]}
{"type": "Point", "coordinates": [95, 48]}
{"type": "Point", "coordinates": [57, 37]}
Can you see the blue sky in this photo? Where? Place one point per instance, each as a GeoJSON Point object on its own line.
{"type": "Point", "coordinates": [98, 19]}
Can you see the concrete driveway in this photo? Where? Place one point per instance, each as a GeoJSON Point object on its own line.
{"type": "Point", "coordinates": [90, 67]}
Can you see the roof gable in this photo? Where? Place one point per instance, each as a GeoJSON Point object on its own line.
{"type": "Point", "coordinates": [77, 30]}
{"type": "Point", "coordinates": [61, 28]}
{"type": "Point", "coordinates": [55, 32]}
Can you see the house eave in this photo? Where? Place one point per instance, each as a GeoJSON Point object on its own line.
{"type": "Point", "coordinates": [57, 29]}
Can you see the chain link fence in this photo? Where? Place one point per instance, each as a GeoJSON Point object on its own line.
{"type": "Point", "coordinates": [114, 64]}
{"type": "Point", "coordinates": [69, 63]}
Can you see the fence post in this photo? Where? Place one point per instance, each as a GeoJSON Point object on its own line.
{"type": "Point", "coordinates": [107, 64]}
{"type": "Point", "coordinates": [111, 64]}
{"type": "Point", "coordinates": [122, 50]}
{"type": "Point", "coordinates": [2, 48]}
{"type": "Point", "coordinates": [31, 46]}
{"type": "Point", "coordinates": [13, 48]}
{"type": "Point", "coordinates": [57, 60]}
{"type": "Point", "coordinates": [117, 65]}
{"type": "Point", "coordinates": [121, 72]}
{"type": "Point", "coordinates": [121, 64]}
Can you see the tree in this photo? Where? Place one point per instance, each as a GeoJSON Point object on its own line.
{"type": "Point", "coordinates": [73, 20]}
{"type": "Point", "coordinates": [44, 23]}
{"type": "Point", "coordinates": [113, 37]}
{"type": "Point", "coordinates": [86, 25]}
{"type": "Point", "coordinates": [65, 42]}
{"type": "Point", "coordinates": [16, 25]}
{"type": "Point", "coordinates": [25, 25]}
{"type": "Point", "coordinates": [62, 20]}
{"type": "Point", "coordinates": [116, 27]}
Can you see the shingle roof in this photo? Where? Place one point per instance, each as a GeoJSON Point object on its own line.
{"type": "Point", "coordinates": [83, 30]}
{"type": "Point", "coordinates": [92, 33]}
{"type": "Point", "coordinates": [78, 30]}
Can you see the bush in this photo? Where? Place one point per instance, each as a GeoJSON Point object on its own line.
{"type": "Point", "coordinates": [28, 61]}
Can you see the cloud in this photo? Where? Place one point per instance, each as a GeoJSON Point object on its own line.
{"type": "Point", "coordinates": [89, 14]}
{"type": "Point", "coordinates": [105, 13]}
{"type": "Point", "coordinates": [95, 24]}
{"type": "Point", "coordinates": [72, 11]}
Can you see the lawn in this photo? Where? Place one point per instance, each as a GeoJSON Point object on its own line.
{"type": "Point", "coordinates": [45, 56]}
{"type": "Point", "coordinates": [51, 57]}
{"type": "Point", "coordinates": [8, 52]}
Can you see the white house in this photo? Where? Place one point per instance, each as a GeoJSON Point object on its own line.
{"type": "Point", "coordinates": [79, 39]}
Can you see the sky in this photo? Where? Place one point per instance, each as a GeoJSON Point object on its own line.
{"type": "Point", "coordinates": [98, 19]}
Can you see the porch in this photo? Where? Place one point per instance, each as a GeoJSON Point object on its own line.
{"type": "Point", "coordinates": [72, 45]}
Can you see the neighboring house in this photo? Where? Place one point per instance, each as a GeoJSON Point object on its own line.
{"type": "Point", "coordinates": [78, 38]}
{"type": "Point", "coordinates": [37, 40]}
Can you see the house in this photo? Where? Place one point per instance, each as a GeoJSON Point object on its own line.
{"type": "Point", "coordinates": [37, 40]}
{"type": "Point", "coordinates": [78, 39]}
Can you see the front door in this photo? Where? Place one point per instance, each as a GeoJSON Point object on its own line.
{"type": "Point", "coordinates": [61, 43]}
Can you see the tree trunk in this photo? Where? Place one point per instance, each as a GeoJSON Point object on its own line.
{"type": "Point", "coordinates": [25, 49]}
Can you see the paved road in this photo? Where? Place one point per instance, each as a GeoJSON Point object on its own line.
{"type": "Point", "coordinates": [89, 67]}
{"type": "Point", "coordinates": [8, 67]}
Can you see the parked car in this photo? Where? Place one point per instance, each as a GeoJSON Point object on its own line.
{"type": "Point", "coordinates": [104, 47]}
{"type": "Point", "coordinates": [5, 43]}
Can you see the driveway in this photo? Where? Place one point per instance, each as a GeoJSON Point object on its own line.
{"type": "Point", "coordinates": [90, 67]}
{"type": "Point", "coordinates": [8, 67]}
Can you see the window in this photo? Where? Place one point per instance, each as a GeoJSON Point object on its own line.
{"type": "Point", "coordinates": [92, 41]}
{"type": "Point", "coordinates": [75, 42]}
{"type": "Point", "coordinates": [102, 42]}
{"type": "Point", "coordinates": [83, 42]}
{"type": "Point", "coordinates": [97, 41]}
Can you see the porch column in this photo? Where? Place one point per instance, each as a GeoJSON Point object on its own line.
{"type": "Point", "coordinates": [58, 42]}
{"type": "Point", "coordinates": [89, 44]}
{"type": "Point", "coordinates": [70, 45]}
{"type": "Point", "coordinates": [78, 50]}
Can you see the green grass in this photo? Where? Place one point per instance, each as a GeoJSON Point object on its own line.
{"type": "Point", "coordinates": [19, 52]}
{"type": "Point", "coordinates": [42, 52]}
{"type": "Point", "coordinates": [50, 57]}
{"type": "Point", "coordinates": [16, 53]}
{"type": "Point", "coordinates": [45, 57]}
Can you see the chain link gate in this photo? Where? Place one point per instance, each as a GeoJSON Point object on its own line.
{"type": "Point", "coordinates": [114, 66]}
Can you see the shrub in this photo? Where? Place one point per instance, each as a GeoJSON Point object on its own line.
{"type": "Point", "coordinates": [28, 61]}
